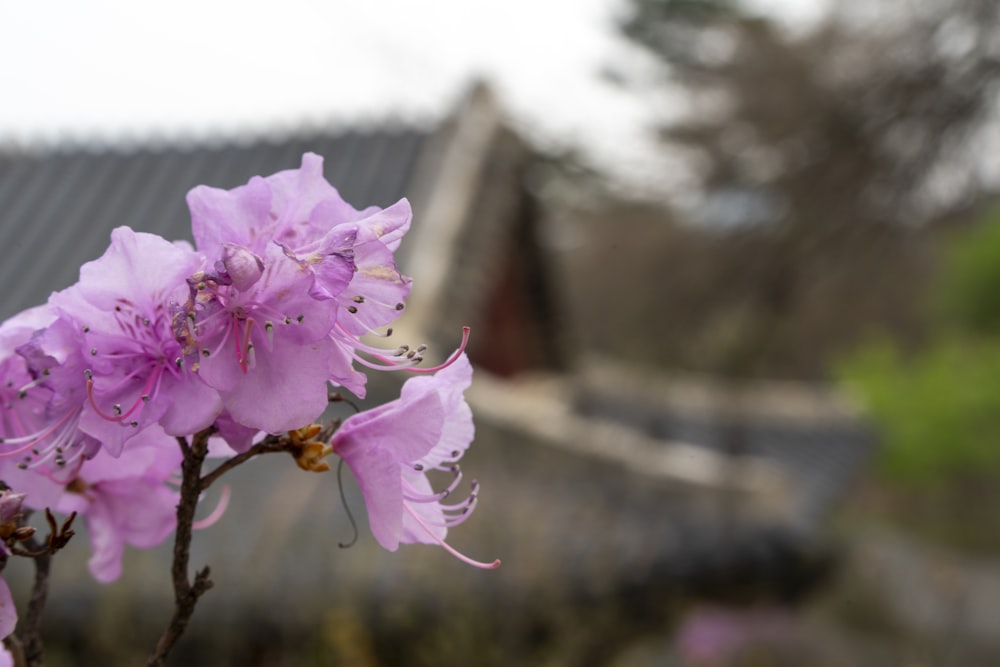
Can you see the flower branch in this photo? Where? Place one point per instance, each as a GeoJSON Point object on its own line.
{"type": "Point", "coordinates": [29, 633]}
{"type": "Point", "coordinates": [268, 445]}
{"type": "Point", "coordinates": [186, 593]}
{"type": "Point", "coordinates": [256, 328]}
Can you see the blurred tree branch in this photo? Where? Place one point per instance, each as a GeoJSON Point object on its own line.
{"type": "Point", "coordinates": [820, 154]}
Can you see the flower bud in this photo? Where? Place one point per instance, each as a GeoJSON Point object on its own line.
{"type": "Point", "coordinates": [241, 265]}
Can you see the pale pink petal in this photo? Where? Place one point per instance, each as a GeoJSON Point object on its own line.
{"type": "Point", "coordinates": [378, 473]}
{"type": "Point", "coordinates": [106, 542]}
{"type": "Point", "coordinates": [430, 514]}
{"type": "Point", "coordinates": [8, 613]}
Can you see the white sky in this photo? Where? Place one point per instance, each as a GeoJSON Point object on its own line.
{"type": "Point", "coordinates": [107, 70]}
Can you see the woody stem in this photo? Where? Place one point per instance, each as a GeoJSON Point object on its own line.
{"type": "Point", "coordinates": [186, 593]}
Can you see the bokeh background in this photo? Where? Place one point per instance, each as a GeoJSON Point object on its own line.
{"type": "Point", "coordinates": [733, 273]}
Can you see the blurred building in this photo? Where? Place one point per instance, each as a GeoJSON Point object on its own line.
{"type": "Point", "coordinates": [595, 480]}
{"type": "Point", "coordinates": [471, 250]}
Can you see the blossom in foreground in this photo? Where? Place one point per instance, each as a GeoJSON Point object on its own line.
{"type": "Point", "coordinates": [10, 513]}
{"type": "Point", "coordinates": [347, 252]}
{"type": "Point", "coordinates": [41, 397]}
{"type": "Point", "coordinates": [8, 617]}
{"type": "Point", "coordinates": [259, 338]}
{"type": "Point", "coordinates": [391, 448]}
{"type": "Point", "coordinates": [126, 500]}
{"type": "Point", "coordinates": [136, 367]}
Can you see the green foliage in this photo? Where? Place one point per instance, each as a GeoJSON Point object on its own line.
{"type": "Point", "coordinates": [939, 408]}
{"type": "Point", "coordinates": [969, 293]}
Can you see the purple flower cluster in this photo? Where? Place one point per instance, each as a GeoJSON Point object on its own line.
{"type": "Point", "coordinates": [243, 333]}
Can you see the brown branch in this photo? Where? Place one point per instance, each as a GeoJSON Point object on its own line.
{"type": "Point", "coordinates": [186, 594]}
{"type": "Point", "coordinates": [268, 445]}
{"type": "Point", "coordinates": [28, 642]}
{"type": "Point", "coordinates": [11, 641]}
{"type": "Point", "coordinates": [30, 629]}
{"type": "Point", "coordinates": [13, 645]}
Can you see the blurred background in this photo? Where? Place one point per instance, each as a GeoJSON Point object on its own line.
{"type": "Point", "coordinates": [733, 274]}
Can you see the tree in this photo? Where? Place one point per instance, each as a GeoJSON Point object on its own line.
{"type": "Point", "coordinates": [828, 156]}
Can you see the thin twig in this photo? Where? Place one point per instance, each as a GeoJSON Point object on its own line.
{"type": "Point", "coordinates": [30, 628]}
{"type": "Point", "coordinates": [266, 446]}
{"type": "Point", "coordinates": [343, 501]}
{"type": "Point", "coordinates": [186, 594]}
{"type": "Point", "coordinates": [29, 632]}
{"type": "Point", "coordinates": [16, 650]}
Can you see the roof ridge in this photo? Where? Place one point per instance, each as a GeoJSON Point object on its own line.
{"type": "Point", "coordinates": [209, 138]}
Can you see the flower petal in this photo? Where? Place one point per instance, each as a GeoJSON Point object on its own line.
{"type": "Point", "coordinates": [8, 613]}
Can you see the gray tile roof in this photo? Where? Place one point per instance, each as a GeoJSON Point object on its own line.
{"type": "Point", "coordinates": [58, 207]}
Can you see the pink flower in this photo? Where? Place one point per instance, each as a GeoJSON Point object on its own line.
{"type": "Point", "coordinates": [126, 500]}
{"type": "Point", "coordinates": [137, 374]}
{"type": "Point", "coordinates": [42, 396]}
{"type": "Point", "coordinates": [10, 515]}
{"type": "Point", "coordinates": [347, 252]}
{"type": "Point", "coordinates": [8, 617]}
{"type": "Point", "coordinates": [391, 448]}
{"type": "Point", "coordinates": [261, 340]}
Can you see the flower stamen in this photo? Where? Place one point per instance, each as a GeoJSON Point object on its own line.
{"type": "Point", "coordinates": [450, 549]}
